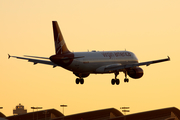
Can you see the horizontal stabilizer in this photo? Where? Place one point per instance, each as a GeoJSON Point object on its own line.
{"type": "Point", "coordinates": [36, 57]}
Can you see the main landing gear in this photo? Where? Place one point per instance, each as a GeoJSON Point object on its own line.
{"type": "Point", "coordinates": [79, 80]}
{"type": "Point", "coordinates": [80, 77]}
{"type": "Point", "coordinates": [117, 81]}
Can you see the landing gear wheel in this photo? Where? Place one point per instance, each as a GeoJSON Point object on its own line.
{"type": "Point", "coordinates": [82, 81]}
{"type": "Point", "coordinates": [77, 80]}
{"type": "Point", "coordinates": [126, 80]}
{"type": "Point", "coordinates": [117, 81]}
{"type": "Point", "coordinates": [113, 81]}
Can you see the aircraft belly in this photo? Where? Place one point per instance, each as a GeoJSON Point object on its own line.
{"type": "Point", "coordinates": [83, 67]}
{"type": "Point", "coordinates": [88, 67]}
{"type": "Point", "coordinates": [77, 66]}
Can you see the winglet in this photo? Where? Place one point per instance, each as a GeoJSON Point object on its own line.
{"type": "Point", "coordinates": [168, 58]}
{"type": "Point", "coordinates": [9, 56]}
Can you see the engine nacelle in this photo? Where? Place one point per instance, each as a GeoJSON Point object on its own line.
{"type": "Point", "coordinates": [82, 75]}
{"type": "Point", "coordinates": [135, 72]}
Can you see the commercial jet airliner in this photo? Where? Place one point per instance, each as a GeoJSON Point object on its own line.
{"type": "Point", "coordinates": [82, 64]}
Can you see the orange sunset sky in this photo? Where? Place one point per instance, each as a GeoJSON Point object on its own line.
{"type": "Point", "coordinates": [149, 28]}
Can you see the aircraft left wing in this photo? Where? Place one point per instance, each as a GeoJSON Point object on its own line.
{"type": "Point", "coordinates": [35, 61]}
{"type": "Point", "coordinates": [121, 67]}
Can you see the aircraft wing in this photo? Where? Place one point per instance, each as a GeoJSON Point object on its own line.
{"type": "Point", "coordinates": [35, 61]}
{"type": "Point", "coordinates": [66, 58]}
{"type": "Point", "coordinates": [121, 67]}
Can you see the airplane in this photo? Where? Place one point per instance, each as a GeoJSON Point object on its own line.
{"type": "Point", "coordinates": [82, 64]}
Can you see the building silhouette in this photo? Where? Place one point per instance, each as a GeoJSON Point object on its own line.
{"type": "Point", "coordinates": [171, 113]}
{"type": "Point", "coordinates": [19, 110]}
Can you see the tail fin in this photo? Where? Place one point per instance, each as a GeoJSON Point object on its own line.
{"type": "Point", "coordinates": [60, 45]}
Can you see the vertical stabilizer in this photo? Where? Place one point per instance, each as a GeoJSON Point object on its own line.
{"type": "Point", "coordinates": [60, 45]}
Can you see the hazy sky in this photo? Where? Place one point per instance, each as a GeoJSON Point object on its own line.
{"type": "Point", "coordinates": [149, 28]}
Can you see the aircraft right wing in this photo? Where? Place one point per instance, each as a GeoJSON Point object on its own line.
{"type": "Point", "coordinates": [121, 67]}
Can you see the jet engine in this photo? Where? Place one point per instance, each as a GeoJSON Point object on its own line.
{"type": "Point", "coordinates": [135, 73]}
{"type": "Point", "coordinates": [81, 75]}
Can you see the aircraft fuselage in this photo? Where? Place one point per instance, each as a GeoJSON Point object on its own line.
{"type": "Point", "coordinates": [94, 62]}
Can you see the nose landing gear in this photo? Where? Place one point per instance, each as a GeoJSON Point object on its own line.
{"type": "Point", "coordinates": [126, 79]}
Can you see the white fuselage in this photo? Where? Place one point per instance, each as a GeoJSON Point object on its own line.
{"type": "Point", "coordinates": [92, 62]}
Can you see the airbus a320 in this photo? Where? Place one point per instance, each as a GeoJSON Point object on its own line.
{"type": "Point", "coordinates": [82, 64]}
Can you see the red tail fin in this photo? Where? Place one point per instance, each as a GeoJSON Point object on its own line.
{"type": "Point", "coordinates": [60, 45]}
